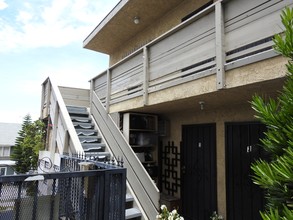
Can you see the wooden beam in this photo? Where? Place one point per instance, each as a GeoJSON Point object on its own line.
{"type": "Point", "coordinates": [220, 47]}
{"type": "Point", "coordinates": [146, 76]}
{"type": "Point", "coordinates": [108, 97]}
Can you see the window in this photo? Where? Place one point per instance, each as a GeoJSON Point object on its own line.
{"type": "Point", "coordinates": [2, 171]}
{"type": "Point", "coordinates": [4, 151]}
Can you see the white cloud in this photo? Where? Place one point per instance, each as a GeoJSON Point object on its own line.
{"type": "Point", "coordinates": [58, 24]}
{"type": "Point", "coordinates": [71, 76]}
{"type": "Point", "coordinates": [16, 115]}
{"type": "Point", "coordinates": [24, 17]}
{"type": "Point", "coordinates": [3, 4]}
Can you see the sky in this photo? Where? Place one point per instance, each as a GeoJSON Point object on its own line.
{"type": "Point", "coordinates": [41, 39]}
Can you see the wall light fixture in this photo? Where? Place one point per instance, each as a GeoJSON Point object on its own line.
{"type": "Point", "coordinates": [136, 20]}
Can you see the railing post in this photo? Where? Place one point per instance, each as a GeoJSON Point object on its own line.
{"type": "Point", "coordinates": [18, 201]}
{"type": "Point", "coordinates": [35, 186]}
{"type": "Point", "coordinates": [220, 47]}
{"type": "Point", "coordinates": [92, 90]}
{"type": "Point", "coordinates": [52, 201]}
{"type": "Point", "coordinates": [146, 77]}
{"type": "Point", "coordinates": [108, 90]}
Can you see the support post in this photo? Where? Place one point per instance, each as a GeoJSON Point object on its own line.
{"type": "Point", "coordinates": [220, 46]}
{"type": "Point", "coordinates": [108, 91]}
{"type": "Point", "coordinates": [92, 90]}
{"type": "Point", "coordinates": [145, 76]}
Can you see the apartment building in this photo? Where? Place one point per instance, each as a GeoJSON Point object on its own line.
{"type": "Point", "coordinates": [8, 134]}
{"type": "Point", "coordinates": [178, 88]}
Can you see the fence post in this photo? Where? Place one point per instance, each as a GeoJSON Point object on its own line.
{"type": "Point", "coordinates": [17, 202]}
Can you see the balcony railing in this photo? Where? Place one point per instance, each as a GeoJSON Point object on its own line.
{"type": "Point", "coordinates": [81, 195]}
{"type": "Point", "coordinates": [221, 37]}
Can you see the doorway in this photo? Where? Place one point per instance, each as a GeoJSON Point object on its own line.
{"type": "Point", "coordinates": [244, 198]}
{"type": "Point", "coordinates": [198, 171]}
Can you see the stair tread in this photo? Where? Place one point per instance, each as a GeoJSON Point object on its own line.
{"type": "Point", "coordinates": [93, 144]}
{"type": "Point", "coordinates": [92, 148]}
{"type": "Point", "coordinates": [82, 123]}
{"type": "Point", "coordinates": [88, 137]}
{"type": "Point", "coordinates": [83, 126]}
{"type": "Point", "coordinates": [83, 131]}
{"type": "Point", "coordinates": [87, 133]}
{"type": "Point", "coordinates": [90, 140]}
{"type": "Point", "coordinates": [77, 110]}
{"type": "Point", "coordinates": [129, 197]}
{"type": "Point", "coordinates": [81, 119]}
{"type": "Point", "coordinates": [132, 213]}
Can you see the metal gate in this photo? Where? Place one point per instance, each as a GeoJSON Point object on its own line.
{"type": "Point", "coordinates": [199, 189]}
{"type": "Point", "coordinates": [244, 198]}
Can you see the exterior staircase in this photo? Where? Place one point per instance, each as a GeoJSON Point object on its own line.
{"type": "Point", "coordinates": [95, 149]}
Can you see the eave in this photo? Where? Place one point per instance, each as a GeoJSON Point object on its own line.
{"type": "Point", "coordinates": [118, 26]}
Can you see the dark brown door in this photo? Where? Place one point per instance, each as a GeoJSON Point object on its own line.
{"type": "Point", "coordinates": [244, 198]}
{"type": "Point", "coordinates": [198, 171]}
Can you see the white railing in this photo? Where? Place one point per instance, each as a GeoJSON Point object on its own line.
{"type": "Point", "coordinates": [62, 134]}
{"type": "Point", "coordinates": [138, 179]}
{"type": "Point", "coordinates": [223, 36]}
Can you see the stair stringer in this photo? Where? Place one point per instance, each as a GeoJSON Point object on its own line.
{"type": "Point", "coordinates": [136, 203]}
{"type": "Point", "coordinates": [143, 187]}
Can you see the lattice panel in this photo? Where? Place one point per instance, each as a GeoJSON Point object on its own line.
{"type": "Point", "coordinates": [170, 169]}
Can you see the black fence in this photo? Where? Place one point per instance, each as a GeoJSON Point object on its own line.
{"type": "Point", "coordinates": [75, 195]}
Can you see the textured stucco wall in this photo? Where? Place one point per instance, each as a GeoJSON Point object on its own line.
{"type": "Point", "coordinates": [167, 22]}
{"type": "Point", "coordinates": [237, 113]}
{"type": "Point", "coordinates": [243, 78]}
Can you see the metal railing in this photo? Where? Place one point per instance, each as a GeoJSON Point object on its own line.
{"type": "Point", "coordinates": [93, 194]}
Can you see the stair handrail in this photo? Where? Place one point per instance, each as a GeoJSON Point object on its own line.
{"type": "Point", "coordinates": [143, 186]}
{"type": "Point", "coordinates": [60, 106]}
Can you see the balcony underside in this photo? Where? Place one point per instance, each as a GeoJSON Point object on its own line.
{"type": "Point", "coordinates": [238, 96]}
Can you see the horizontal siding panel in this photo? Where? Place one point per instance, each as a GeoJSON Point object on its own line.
{"type": "Point", "coordinates": [180, 74]}
{"type": "Point", "coordinates": [185, 44]}
{"type": "Point", "coordinates": [250, 33]}
{"type": "Point", "coordinates": [185, 58]}
{"type": "Point", "coordinates": [100, 85]}
{"type": "Point", "coordinates": [265, 46]}
{"type": "Point", "coordinates": [121, 97]}
{"type": "Point", "coordinates": [250, 15]}
{"type": "Point", "coordinates": [235, 10]}
{"type": "Point", "coordinates": [181, 80]}
{"type": "Point", "coordinates": [130, 79]}
{"type": "Point", "coordinates": [100, 79]}
{"type": "Point", "coordinates": [127, 65]}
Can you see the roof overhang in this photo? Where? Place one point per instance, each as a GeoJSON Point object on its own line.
{"type": "Point", "coordinates": [119, 26]}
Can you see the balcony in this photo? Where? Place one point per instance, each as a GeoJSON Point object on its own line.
{"type": "Point", "coordinates": [203, 49]}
